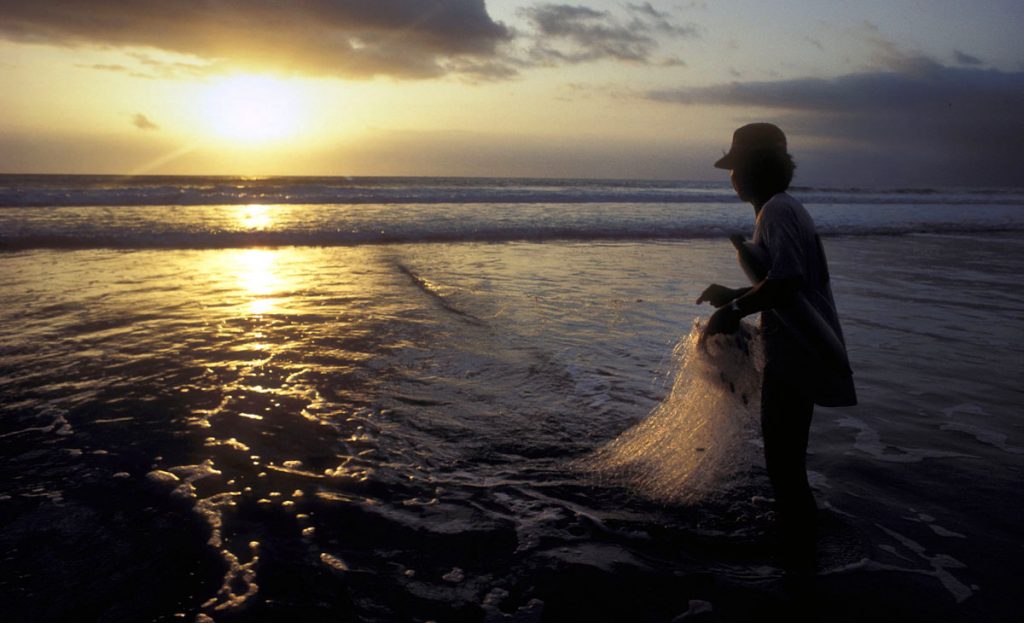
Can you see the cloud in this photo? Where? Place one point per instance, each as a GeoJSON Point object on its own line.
{"type": "Point", "coordinates": [143, 122]}
{"type": "Point", "coordinates": [477, 71]}
{"type": "Point", "coordinates": [815, 42]}
{"type": "Point", "coordinates": [349, 38]}
{"type": "Point", "coordinates": [888, 55]}
{"type": "Point", "coordinates": [646, 17]}
{"type": "Point", "coordinates": [145, 66]}
{"type": "Point", "coordinates": [105, 67]}
{"type": "Point", "coordinates": [345, 38]}
{"type": "Point", "coordinates": [967, 91]}
{"type": "Point", "coordinates": [964, 58]}
{"type": "Point", "coordinates": [926, 121]}
{"type": "Point", "coordinates": [566, 34]}
{"type": "Point", "coordinates": [149, 67]}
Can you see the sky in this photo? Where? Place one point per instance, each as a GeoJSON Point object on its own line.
{"type": "Point", "coordinates": [895, 93]}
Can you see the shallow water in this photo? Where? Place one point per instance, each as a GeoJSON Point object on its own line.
{"type": "Point", "coordinates": [389, 433]}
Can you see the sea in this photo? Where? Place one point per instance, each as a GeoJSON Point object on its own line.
{"type": "Point", "coordinates": [484, 399]}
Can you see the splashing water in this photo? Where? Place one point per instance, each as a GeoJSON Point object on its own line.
{"type": "Point", "coordinates": [699, 438]}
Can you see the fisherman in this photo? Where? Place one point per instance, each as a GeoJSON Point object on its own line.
{"type": "Point", "coordinates": [797, 375]}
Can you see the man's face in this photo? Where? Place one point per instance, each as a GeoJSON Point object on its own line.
{"type": "Point", "coordinates": [734, 178]}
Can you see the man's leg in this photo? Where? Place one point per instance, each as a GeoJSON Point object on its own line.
{"type": "Point", "coordinates": [785, 423]}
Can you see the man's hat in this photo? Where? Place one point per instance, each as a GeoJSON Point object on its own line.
{"type": "Point", "coordinates": [752, 137]}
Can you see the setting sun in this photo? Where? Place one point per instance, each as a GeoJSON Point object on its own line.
{"type": "Point", "coordinates": [253, 108]}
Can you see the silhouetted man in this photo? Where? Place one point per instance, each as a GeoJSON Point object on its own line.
{"type": "Point", "coordinates": [799, 372]}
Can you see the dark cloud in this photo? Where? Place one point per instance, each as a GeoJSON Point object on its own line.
{"type": "Point", "coordinates": [932, 123]}
{"type": "Point", "coordinates": [352, 38]}
{"type": "Point", "coordinates": [964, 58]}
{"type": "Point", "coordinates": [935, 90]}
{"type": "Point", "coordinates": [345, 38]}
{"type": "Point", "coordinates": [575, 34]}
{"type": "Point", "coordinates": [143, 122]}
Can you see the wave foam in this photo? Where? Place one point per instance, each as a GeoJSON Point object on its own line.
{"type": "Point", "coordinates": [107, 190]}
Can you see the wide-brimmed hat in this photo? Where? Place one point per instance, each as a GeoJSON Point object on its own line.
{"type": "Point", "coordinates": [752, 137]}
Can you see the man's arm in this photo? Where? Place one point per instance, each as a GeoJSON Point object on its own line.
{"type": "Point", "coordinates": [768, 294]}
{"type": "Point", "coordinates": [720, 295]}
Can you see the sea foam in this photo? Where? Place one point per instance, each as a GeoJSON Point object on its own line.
{"type": "Point", "coordinates": [699, 439]}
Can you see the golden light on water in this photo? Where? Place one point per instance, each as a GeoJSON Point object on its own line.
{"type": "Point", "coordinates": [257, 275]}
{"type": "Point", "coordinates": [246, 282]}
{"type": "Point", "coordinates": [255, 217]}
{"type": "Point", "coordinates": [250, 108]}
{"type": "Point", "coordinates": [261, 306]}
{"type": "Point", "coordinates": [258, 279]}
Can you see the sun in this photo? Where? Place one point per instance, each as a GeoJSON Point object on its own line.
{"type": "Point", "coordinates": [250, 108]}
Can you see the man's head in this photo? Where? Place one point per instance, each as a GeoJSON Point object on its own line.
{"type": "Point", "coordinates": [759, 162]}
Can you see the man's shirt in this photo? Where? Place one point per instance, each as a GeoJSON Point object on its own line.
{"type": "Point", "coordinates": [785, 232]}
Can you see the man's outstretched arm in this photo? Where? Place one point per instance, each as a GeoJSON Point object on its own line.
{"type": "Point", "coordinates": [721, 295]}
{"type": "Point", "coordinates": [768, 294]}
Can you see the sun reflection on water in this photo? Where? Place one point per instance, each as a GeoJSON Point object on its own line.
{"type": "Point", "coordinates": [255, 217]}
{"type": "Point", "coordinates": [258, 279]}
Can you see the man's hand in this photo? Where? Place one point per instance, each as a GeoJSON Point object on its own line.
{"type": "Point", "coordinates": [725, 320]}
{"type": "Point", "coordinates": [717, 295]}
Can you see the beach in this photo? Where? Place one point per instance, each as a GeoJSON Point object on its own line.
{"type": "Point", "coordinates": [246, 411]}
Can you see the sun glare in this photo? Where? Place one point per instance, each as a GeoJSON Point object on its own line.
{"type": "Point", "coordinates": [258, 279]}
{"type": "Point", "coordinates": [250, 108]}
{"type": "Point", "coordinates": [254, 217]}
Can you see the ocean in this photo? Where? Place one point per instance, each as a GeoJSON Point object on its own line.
{"type": "Point", "coordinates": [403, 399]}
